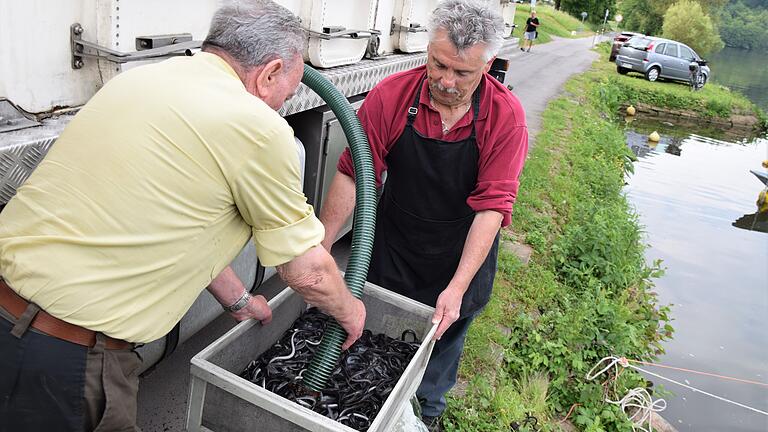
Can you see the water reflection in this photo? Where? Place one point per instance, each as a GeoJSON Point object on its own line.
{"type": "Point", "coordinates": [757, 221]}
{"type": "Point", "coordinates": [744, 71]}
{"type": "Point", "coordinates": [696, 199]}
{"type": "Point", "coordinates": [753, 222]}
{"type": "Point", "coordinates": [641, 146]}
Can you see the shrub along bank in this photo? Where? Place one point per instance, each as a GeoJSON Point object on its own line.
{"type": "Point", "coordinates": [585, 294]}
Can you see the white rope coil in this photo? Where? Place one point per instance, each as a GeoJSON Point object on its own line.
{"type": "Point", "coordinates": [639, 407]}
{"type": "Point", "coordinates": [641, 400]}
{"type": "Point", "coordinates": [637, 404]}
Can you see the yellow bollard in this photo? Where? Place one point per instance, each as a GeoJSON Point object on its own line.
{"type": "Point", "coordinates": [762, 202]}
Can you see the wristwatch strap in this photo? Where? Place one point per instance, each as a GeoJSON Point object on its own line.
{"type": "Point", "coordinates": [239, 304]}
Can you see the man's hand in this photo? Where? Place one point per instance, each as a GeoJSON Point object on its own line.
{"type": "Point", "coordinates": [480, 238]}
{"type": "Point", "coordinates": [227, 289]}
{"type": "Point", "coordinates": [447, 309]}
{"type": "Point", "coordinates": [353, 322]}
{"type": "Point", "coordinates": [257, 308]}
{"type": "Point", "coordinates": [316, 278]}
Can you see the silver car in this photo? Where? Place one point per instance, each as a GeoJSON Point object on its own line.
{"type": "Point", "coordinates": [660, 58]}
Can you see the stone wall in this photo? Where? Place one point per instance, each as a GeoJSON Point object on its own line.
{"type": "Point", "coordinates": [736, 121]}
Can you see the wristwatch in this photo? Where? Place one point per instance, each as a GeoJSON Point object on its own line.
{"type": "Point", "coordinates": [239, 304]}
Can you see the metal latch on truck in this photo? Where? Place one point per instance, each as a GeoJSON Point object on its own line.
{"type": "Point", "coordinates": [147, 48]}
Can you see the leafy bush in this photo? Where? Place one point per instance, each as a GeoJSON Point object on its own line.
{"type": "Point", "coordinates": [686, 22]}
{"type": "Point", "coordinates": [587, 292]}
{"type": "Point", "coordinates": [644, 16]}
{"type": "Point", "coordinates": [595, 8]}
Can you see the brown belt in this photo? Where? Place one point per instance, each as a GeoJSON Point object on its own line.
{"type": "Point", "coordinates": [52, 326]}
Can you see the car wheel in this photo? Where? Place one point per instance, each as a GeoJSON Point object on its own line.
{"type": "Point", "coordinates": [622, 70]}
{"type": "Point", "coordinates": [652, 74]}
{"type": "Point", "coordinates": [702, 80]}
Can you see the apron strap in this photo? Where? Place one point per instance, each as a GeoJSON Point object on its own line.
{"type": "Point", "coordinates": [414, 108]}
{"type": "Point", "coordinates": [475, 108]}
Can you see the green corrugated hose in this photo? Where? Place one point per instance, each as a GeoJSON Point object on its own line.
{"type": "Point", "coordinates": [329, 351]}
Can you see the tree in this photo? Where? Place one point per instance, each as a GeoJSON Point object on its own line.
{"type": "Point", "coordinates": [686, 22]}
{"type": "Point", "coordinates": [644, 16]}
{"type": "Point", "coordinates": [745, 25]}
{"type": "Point", "coordinates": [595, 8]}
{"type": "Point", "coordinates": [647, 16]}
{"type": "Point", "coordinates": [757, 3]}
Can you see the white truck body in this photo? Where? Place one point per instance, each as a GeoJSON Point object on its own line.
{"type": "Point", "coordinates": [43, 82]}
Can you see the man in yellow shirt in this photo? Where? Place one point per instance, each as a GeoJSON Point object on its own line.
{"type": "Point", "coordinates": [144, 200]}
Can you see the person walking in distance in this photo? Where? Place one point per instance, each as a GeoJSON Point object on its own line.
{"type": "Point", "coordinates": [531, 25]}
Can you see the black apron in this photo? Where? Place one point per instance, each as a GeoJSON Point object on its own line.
{"type": "Point", "coordinates": [423, 218]}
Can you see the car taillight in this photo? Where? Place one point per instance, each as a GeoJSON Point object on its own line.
{"type": "Point", "coordinates": [649, 47]}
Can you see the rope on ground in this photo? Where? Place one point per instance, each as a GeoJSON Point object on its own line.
{"type": "Point", "coordinates": [698, 372]}
{"type": "Point", "coordinates": [644, 405]}
{"type": "Point", "coordinates": [640, 399]}
{"type": "Point", "coordinates": [702, 391]}
{"type": "Point", "coordinates": [637, 399]}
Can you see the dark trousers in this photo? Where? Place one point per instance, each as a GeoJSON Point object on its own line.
{"type": "Point", "coordinates": [51, 385]}
{"type": "Point", "coordinates": [443, 368]}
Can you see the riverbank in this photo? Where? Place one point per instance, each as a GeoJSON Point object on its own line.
{"type": "Point", "coordinates": [572, 288]}
{"type": "Point", "coordinates": [713, 105]}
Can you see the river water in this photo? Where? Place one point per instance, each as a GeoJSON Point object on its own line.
{"type": "Point", "coordinates": [744, 71]}
{"type": "Point", "coordinates": [689, 191]}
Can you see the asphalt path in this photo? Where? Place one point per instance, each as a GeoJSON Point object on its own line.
{"type": "Point", "coordinates": [539, 76]}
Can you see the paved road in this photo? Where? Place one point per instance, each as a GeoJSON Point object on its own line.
{"type": "Point", "coordinates": [539, 76]}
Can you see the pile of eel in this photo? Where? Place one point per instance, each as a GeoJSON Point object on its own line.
{"type": "Point", "coordinates": [358, 386]}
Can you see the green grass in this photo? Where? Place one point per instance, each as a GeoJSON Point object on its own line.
{"type": "Point", "coordinates": [553, 23]}
{"type": "Point", "coordinates": [586, 293]}
{"type": "Point", "coordinates": [711, 101]}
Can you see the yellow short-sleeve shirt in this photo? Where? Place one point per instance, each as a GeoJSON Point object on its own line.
{"type": "Point", "coordinates": [149, 193]}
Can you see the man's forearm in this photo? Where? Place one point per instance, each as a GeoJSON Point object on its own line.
{"type": "Point", "coordinates": [315, 276]}
{"type": "Point", "coordinates": [480, 238]}
{"type": "Point", "coordinates": [337, 207]}
{"type": "Point", "coordinates": [227, 288]}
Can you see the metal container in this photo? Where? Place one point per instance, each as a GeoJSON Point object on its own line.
{"type": "Point", "coordinates": [219, 400]}
{"type": "Point", "coordinates": [410, 23]}
{"type": "Point", "coordinates": [339, 31]}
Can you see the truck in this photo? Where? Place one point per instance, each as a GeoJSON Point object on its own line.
{"type": "Point", "coordinates": [55, 55]}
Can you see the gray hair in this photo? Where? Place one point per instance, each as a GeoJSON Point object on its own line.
{"type": "Point", "coordinates": [255, 32]}
{"type": "Point", "coordinates": [467, 23]}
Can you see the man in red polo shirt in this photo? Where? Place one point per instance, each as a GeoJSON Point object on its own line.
{"type": "Point", "coordinates": [453, 142]}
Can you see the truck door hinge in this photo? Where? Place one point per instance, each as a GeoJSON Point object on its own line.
{"type": "Point", "coordinates": [147, 48]}
{"type": "Point", "coordinates": [412, 28]}
{"type": "Point", "coordinates": [338, 32]}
